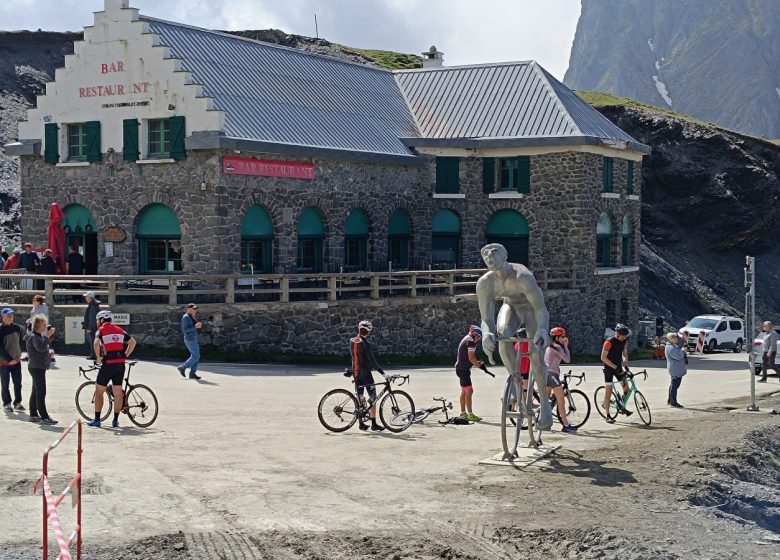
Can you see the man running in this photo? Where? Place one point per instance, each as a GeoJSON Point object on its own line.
{"type": "Point", "coordinates": [467, 357]}
{"type": "Point", "coordinates": [112, 348]}
{"type": "Point", "coordinates": [363, 361]}
{"type": "Point", "coordinates": [614, 355]}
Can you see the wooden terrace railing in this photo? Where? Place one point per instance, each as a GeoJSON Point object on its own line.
{"type": "Point", "coordinates": [280, 288]}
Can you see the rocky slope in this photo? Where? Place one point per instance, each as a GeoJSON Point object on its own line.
{"type": "Point", "coordinates": [707, 200]}
{"type": "Point", "coordinates": [710, 198]}
{"type": "Point", "coordinates": [714, 59]}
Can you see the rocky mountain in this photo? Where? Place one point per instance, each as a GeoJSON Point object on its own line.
{"type": "Point", "coordinates": [707, 197]}
{"type": "Point", "coordinates": [717, 60]}
{"type": "Point", "coordinates": [710, 199]}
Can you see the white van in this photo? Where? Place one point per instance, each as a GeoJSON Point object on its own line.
{"type": "Point", "coordinates": [720, 332]}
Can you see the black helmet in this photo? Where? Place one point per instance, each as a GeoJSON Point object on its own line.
{"type": "Point", "coordinates": [620, 328]}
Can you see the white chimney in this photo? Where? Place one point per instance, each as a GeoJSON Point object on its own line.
{"type": "Point", "coordinates": [433, 58]}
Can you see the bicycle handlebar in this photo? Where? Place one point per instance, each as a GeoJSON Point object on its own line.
{"type": "Point", "coordinates": [631, 374]}
{"type": "Point", "coordinates": [580, 377]}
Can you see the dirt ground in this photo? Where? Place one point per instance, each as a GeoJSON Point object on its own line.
{"type": "Point", "coordinates": [238, 467]}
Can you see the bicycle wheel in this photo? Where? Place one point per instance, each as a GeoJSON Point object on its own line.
{"type": "Point", "coordinates": [598, 401]}
{"type": "Point", "coordinates": [85, 401]}
{"type": "Point", "coordinates": [141, 406]}
{"type": "Point", "coordinates": [537, 410]}
{"type": "Point", "coordinates": [577, 408]}
{"type": "Point", "coordinates": [338, 410]}
{"type": "Point", "coordinates": [642, 408]}
{"type": "Point", "coordinates": [396, 410]}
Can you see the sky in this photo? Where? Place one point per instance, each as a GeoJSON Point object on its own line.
{"type": "Point", "coordinates": [466, 31]}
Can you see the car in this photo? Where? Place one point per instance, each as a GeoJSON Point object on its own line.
{"type": "Point", "coordinates": [720, 332]}
{"type": "Point", "coordinates": [758, 348]}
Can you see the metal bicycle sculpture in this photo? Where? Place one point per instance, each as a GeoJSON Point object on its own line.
{"type": "Point", "coordinates": [518, 413]}
{"type": "Point", "coordinates": [523, 306]}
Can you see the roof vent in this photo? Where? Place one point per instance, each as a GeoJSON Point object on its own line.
{"type": "Point", "coordinates": [433, 58]}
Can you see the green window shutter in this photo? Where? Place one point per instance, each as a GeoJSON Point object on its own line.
{"type": "Point", "coordinates": [447, 175]}
{"type": "Point", "coordinates": [178, 132]}
{"type": "Point", "coordinates": [524, 174]}
{"type": "Point", "coordinates": [606, 174]}
{"type": "Point", "coordinates": [93, 141]}
{"type": "Point", "coordinates": [51, 139]}
{"type": "Point", "coordinates": [630, 178]}
{"type": "Point", "coordinates": [130, 151]}
{"type": "Point", "coordinates": [488, 175]}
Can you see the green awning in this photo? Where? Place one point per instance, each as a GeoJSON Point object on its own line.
{"type": "Point", "coordinates": [257, 224]}
{"type": "Point", "coordinates": [507, 223]}
{"type": "Point", "coordinates": [446, 221]}
{"type": "Point", "coordinates": [157, 220]}
{"type": "Point", "coordinates": [604, 225]}
{"type": "Point", "coordinates": [77, 216]}
{"type": "Point", "coordinates": [310, 223]}
{"type": "Point", "coordinates": [399, 224]}
{"type": "Point", "coordinates": [356, 223]}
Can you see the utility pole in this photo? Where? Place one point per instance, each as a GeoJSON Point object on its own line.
{"type": "Point", "coordinates": [316, 27]}
{"type": "Point", "coordinates": [750, 323]}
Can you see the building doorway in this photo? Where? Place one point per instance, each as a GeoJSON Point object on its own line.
{"type": "Point", "coordinates": [81, 232]}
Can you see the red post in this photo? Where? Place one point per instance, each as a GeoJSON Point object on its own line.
{"type": "Point", "coordinates": [45, 508]}
{"type": "Point", "coordinates": [78, 507]}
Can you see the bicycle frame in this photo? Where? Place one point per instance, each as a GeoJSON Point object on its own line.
{"type": "Point", "coordinates": [628, 379]}
{"type": "Point", "coordinates": [366, 404]}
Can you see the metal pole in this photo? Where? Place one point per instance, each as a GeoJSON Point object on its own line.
{"type": "Point", "coordinates": [750, 322]}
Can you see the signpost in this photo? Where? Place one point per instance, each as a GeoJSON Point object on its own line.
{"type": "Point", "coordinates": [750, 322]}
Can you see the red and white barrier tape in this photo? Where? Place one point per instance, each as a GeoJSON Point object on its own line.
{"type": "Point", "coordinates": [62, 542]}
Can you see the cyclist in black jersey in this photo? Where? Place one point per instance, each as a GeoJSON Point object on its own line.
{"type": "Point", "coordinates": [363, 361]}
{"type": "Point", "coordinates": [614, 356]}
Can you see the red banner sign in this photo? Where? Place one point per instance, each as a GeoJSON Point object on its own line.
{"type": "Point", "coordinates": [267, 168]}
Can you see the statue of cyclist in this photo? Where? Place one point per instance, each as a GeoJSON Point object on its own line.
{"type": "Point", "coordinates": [523, 305]}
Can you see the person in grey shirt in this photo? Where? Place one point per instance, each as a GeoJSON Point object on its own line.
{"type": "Point", "coordinates": [676, 365]}
{"type": "Point", "coordinates": [90, 321]}
{"type": "Point", "coordinates": [770, 351]}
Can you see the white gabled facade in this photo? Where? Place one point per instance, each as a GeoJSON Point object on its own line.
{"type": "Point", "coordinates": [120, 71]}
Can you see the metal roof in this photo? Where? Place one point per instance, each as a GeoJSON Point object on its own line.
{"type": "Point", "coordinates": [279, 95]}
{"type": "Point", "coordinates": [512, 100]}
{"type": "Point", "coordinates": [281, 99]}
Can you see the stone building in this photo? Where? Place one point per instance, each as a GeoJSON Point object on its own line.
{"type": "Point", "coordinates": [174, 149]}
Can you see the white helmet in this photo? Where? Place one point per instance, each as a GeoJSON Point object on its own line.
{"type": "Point", "coordinates": [106, 315]}
{"type": "Point", "coordinates": [365, 325]}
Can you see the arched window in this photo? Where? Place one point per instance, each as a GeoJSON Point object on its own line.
{"type": "Point", "coordinates": [398, 237]}
{"type": "Point", "coordinates": [81, 232]}
{"type": "Point", "coordinates": [159, 240]}
{"type": "Point", "coordinates": [510, 228]}
{"type": "Point", "coordinates": [445, 240]}
{"type": "Point", "coordinates": [257, 233]}
{"type": "Point", "coordinates": [311, 236]}
{"type": "Point", "coordinates": [603, 239]}
{"type": "Point", "coordinates": [356, 241]}
{"type": "Point", "coordinates": [627, 253]}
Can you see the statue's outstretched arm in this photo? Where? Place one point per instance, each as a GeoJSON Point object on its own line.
{"type": "Point", "coordinates": [487, 311]}
{"type": "Point", "coordinates": [536, 299]}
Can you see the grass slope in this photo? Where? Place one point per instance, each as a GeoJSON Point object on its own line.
{"type": "Point", "coordinates": [386, 59]}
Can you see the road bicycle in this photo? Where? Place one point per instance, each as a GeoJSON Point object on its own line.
{"type": "Point", "coordinates": [620, 405]}
{"type": "Point", "coordinates": [139, 401]}
{"type": "Point", "coordinates": [444, 406]}
{"type": "Point", "coordinates": [339, 409]}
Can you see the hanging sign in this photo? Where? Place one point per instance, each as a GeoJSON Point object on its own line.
{"type": "Point", "coordinates": [232, 165]}
{"type": "Point", "coordinates": [114, 234]}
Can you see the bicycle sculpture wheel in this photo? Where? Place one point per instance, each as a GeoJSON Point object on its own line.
{"type": "Point", "coordinates": [518, 412]}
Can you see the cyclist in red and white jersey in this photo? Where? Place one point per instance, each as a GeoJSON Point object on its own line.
{"type": "Point", "coordinates": [112, 347]}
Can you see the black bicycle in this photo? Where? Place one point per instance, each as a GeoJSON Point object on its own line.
{"type": "Point", "coordinates": [444, 406]}
{"type": "Point", "coordinates": [139, 401]}
{"type": "Point", "coordinates": [576, 402]}
{"type": "Point", "coordinates": [339, 409]}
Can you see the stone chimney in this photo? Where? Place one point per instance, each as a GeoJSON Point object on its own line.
{"type": "Point", "coordinates": [433, 58]}
{"type": "Point", "coordinates": [112, 6]}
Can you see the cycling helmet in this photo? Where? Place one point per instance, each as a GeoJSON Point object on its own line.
{"type": "Point", "coordinates": [106, 315]}
{"type": "Point", "coordinates": [557, 331]}
{"type": "Point", "coordinates": [620, 328]}
{"type": "Point", "coordinates": [365, 325]}
{"type": "Point", "coordinates": [474, 329]}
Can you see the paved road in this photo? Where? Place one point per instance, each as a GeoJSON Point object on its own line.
{"type": "Point", "coordinates": [243, 449]}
